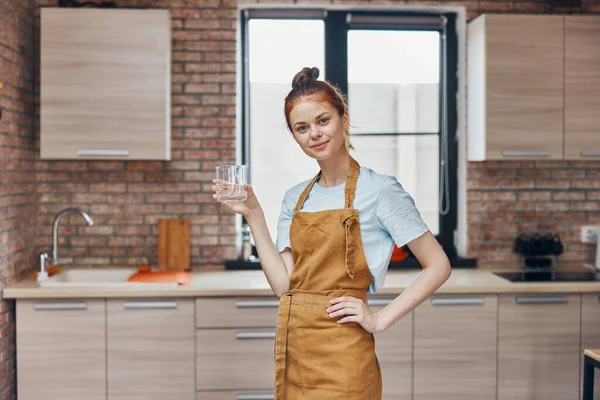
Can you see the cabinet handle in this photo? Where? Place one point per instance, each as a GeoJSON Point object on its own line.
{"type": "Point", "coordinates": [111, 153]}
{"type": "Point", "coordinates": [540, 300]}
{"type": "Point", "coordinates": [525, 153]}
{"type": "Point", "coordinates": [133, 304]}
{"type": "Point", "coordinates": [264, 396]}
{"type": "Point", "coordinates": [379, 302]}
{"type": "Point", "coordinates": [590, 153]}
{"type": "Point", "coordinates": [256, 303]}
{"type": "Point", "coordinates": [78, 305]}
{"type": "Point", "coordinates": [457, 301]}
{"type": "Point", "coordinates": [255, 335]}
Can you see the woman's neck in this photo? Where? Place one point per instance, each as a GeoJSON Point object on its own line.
{"type": "Point", "coordinates": [334, 171]}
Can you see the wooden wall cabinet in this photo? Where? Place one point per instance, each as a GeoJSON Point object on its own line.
{"type": "Point", "coordinates": [105, 84]}
{"type": "Point", "coordinates": [582, 87]}
{"type": "Point", "coordinates": [533, 87]}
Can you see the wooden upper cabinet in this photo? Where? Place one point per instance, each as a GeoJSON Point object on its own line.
{"type": "Point", "coordinates": [582, 87]}
{"type": "Point", "coordinates": [515, 87]}
{"type": "Point", "coordinates": [105, 84]}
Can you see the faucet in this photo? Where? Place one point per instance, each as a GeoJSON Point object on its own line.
{"type": "Point", "coordinates": [66, 211]}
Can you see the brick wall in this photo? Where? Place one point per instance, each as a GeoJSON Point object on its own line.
{"type": "Point", "coordinates": [508, 197]}
{"type": "Point", "coordinates": [18, 196]}
{"type": "Point", "coordinates": [126, 199]}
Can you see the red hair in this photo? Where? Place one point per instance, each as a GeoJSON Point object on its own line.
{"type": "Point", "coordinates": [305, 84]}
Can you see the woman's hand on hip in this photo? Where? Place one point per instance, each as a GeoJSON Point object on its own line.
{"type": "Point", "coordinates": [351, 309]}
{"type": "Point", "coordinates": [247, 208]}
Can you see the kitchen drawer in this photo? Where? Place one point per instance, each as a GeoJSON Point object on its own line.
{"type": "Point", "coordinates": [241, 312]}
{"type": "Point", "coordinates": [235, 358]}
{"type": "Point", "coordinates": [237, 395]}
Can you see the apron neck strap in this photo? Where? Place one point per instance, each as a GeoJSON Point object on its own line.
{"type": "Point", "coordinates": [350, 190]}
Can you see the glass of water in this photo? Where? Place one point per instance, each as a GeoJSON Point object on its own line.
{"type": "Point", "coordinates": [230, 183]}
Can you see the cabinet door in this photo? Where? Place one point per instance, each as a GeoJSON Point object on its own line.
{"type": "Point", "coordinates": [582, 87]}
{"type": "Point", "coordinates": [538, 347]}
{"type": "Point", "coordinates": [455, 348]}
{"type": "Point", "coordinates": [590, 332]}
{"type": "Point", "coordinates": [237, 395]}
{"type": "Point", "coordinates": [105, 84]}
{"type": "Point", "coordinates": [150, 349]}
{"type": "Point", "coordinates": [235, 359]}
{"type": "Point", "coordinates": [394, 352]}
{"type": "Point", "coordinates": [524, 56]}
{"type": "Point", "coordinates": [61, 350]}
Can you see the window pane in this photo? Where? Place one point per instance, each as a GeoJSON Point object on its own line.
{"type": "Point", "coordinates": [413, 160]}
{"type": "Point", "coordinates": [393, 81]}
{"type": "Point", "coordinates": [278, 50]}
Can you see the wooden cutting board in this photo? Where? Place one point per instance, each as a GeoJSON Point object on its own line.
{"type": "Point", "coordinates": [173, 244]}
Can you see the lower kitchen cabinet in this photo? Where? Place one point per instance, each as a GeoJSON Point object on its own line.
{"type": "Point", "coordinates": [61, 349]}
{"type": "Point", "coordinates": [394, 352]}
{"type": "Point", "coordinates": [237, 395]}
{"type": "Point", "coordinates": [235, 359]}
{"type": "Point", "coordinates": [455, 348]}
{"type": "Point", "coordinates": [590, 333]}
{"type": "Point", "coordinates": [539, 346]}
{"type": "Point", "coordinates": [150, 349]}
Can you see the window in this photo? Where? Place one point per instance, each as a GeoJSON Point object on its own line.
{"type": "Point", "coordinates": [399, 73]}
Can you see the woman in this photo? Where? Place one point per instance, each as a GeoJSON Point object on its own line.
{"type": "Point", "coordinates": [335, 237]}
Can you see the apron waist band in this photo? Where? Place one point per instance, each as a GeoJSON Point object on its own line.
{"type": "Point", "coordinates": [323, 298]}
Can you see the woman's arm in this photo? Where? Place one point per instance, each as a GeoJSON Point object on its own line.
{"type": "Point", "coordinates": [277, 267]}
{"type": "Point", "coordinates": [436, 270]}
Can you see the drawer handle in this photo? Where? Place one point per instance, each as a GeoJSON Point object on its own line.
{"type": "Point", "coordinates": [111, 153]}
{"type": "Point", "coordinates": [265, 396]}
{"type": "Point", "coordinates": [458, 301]}
{"type": "Point", "coordinates": [525, 153]}
{"type": "Point", "coordinates": [257, 303]}
{"type": "Point", "coordinates": [379, 302]}
{"type": "Point", "coordinates": [255, 335]}
{"type": "Point", "coordinates": [540, 300]}
{"type": "Point", "coordinates": [133, 305]}
{"type": "Point", "coordinates": [590, 153]}
{"type": "Point", "coordinates": [78, 305]}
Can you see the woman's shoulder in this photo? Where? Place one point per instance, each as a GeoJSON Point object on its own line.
{"type": "Point", "coordinates": [293, 194]}
{"type": "Point", "coordinates": [373, 180]}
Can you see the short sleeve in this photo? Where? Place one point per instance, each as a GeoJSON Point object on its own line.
{"type": "Point", "coordinates": [398, 214]}
{"type": "Point", "coordinates": [283, 225]}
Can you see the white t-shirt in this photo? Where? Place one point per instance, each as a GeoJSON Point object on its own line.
{"type": "Point", "coordinates": [387, 215]}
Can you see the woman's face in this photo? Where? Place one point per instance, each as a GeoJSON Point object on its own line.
{"type": "Point", "coordinates": [318, 128]}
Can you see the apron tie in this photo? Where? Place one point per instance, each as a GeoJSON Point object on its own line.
{"type": "Point", "coordinates": [350, 244]}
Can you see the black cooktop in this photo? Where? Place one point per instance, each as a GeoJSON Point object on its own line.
{"type": "Point", "coordinates": [549, 276]}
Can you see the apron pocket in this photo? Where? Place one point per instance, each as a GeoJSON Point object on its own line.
{"type": "Point", "coordinates": [323, 354]}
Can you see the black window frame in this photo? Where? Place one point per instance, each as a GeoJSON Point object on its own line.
{"type": "Point", "coordinates": [336, 49]}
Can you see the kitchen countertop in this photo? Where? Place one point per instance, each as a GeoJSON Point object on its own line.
{"type": "Point", "coordinates": [253, 283]}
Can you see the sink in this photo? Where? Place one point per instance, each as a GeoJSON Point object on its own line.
{"type": "Point", "coordinates": [99, 277]}
{"type": "Point", "coordinates": [549, 276]}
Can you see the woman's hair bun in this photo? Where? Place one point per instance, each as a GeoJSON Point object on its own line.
{"type": "Point", "coordinates": [306, 75]}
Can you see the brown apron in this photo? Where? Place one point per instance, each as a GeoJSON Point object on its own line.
{"type": "Point", "coordinates": [315, 357]}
